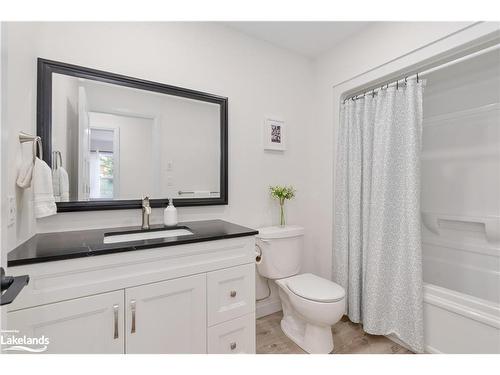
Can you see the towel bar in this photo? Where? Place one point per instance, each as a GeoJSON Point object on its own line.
{"type": "Point", "coordinates": [37, 141]}
{"type": "Point", "coordinates": [56, 155]}
{"type": "Point", "coordinates": [181, 192]}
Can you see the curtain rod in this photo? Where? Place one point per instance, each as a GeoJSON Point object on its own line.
{"type": "Point", "coordinates": [396, 82]}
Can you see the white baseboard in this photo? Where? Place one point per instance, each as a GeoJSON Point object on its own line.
{"type": "Point", "coordinates": [267, 307]}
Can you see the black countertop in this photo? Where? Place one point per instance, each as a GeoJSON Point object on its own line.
{"type": "Point", "coordinates": [47, 247]}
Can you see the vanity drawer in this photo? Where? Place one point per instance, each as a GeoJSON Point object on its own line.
{"type": "Point", "coordinates": [236, 336]}
{"type": "Point", "coordinates": [230, 293]}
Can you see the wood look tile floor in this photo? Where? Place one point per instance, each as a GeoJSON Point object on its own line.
{"type": "Point", "coordinates": [348, 338]}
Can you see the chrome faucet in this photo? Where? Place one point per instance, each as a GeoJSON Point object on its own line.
{"type": "Point", "coordinates": [146, 212]}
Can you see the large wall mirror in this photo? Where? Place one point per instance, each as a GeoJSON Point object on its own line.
{"type": "Point", "coordinates": [120, 138]}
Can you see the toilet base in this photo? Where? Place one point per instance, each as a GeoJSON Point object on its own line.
{"type": "Point", "coordinates": [311, 338]}
{"type": "Point", "coordinates": [308, 323]}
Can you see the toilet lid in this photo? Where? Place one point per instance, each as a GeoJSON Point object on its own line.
{"type": "Point", "coordinates": [315, 288]}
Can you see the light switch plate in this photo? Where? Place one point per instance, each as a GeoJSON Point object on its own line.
{"type": "Point", "coordinates": [11, 219]}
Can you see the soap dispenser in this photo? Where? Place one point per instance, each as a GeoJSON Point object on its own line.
{"type": "Point", "coordinates": [170, 214]}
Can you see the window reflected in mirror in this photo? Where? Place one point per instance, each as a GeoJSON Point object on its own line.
{"type": "Point", "coordinates": [102, 164]}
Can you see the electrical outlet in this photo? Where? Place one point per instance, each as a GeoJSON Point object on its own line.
{"type": "Point", "coordinates": [170, 181]}
{"type": "Point", "coordinates": [11, 220]}
{"type": "Point", "coordinates": [170, 166]}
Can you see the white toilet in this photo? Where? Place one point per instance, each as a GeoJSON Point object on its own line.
{"type": "Point", "coordinates": [311, 304]}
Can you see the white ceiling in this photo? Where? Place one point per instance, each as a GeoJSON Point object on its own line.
{"type": "Point", "coordinates": [310, 39]}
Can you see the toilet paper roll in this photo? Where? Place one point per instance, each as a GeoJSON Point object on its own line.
{"type": "Point", "coordinates": [258, 255]}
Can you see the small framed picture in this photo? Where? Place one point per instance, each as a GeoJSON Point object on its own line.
{"type": "Point", "coordinates": [274, 135]}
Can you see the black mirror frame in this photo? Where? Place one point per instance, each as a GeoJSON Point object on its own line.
{"type": "Point", "coordinates": [44, 129]}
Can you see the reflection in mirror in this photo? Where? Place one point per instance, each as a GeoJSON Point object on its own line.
{"type": "Point", "coordinates": [102, 161]}
{"type": "Point", "coordinates": [121, 143]}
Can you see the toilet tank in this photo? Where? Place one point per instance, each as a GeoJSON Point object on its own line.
{"type": "Point", "coordinates": [281, 251]}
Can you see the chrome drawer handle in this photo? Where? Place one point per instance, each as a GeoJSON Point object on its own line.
{"type": "Point", "coordinates": [132, 308]}
{"type": "Point", "coordinates": [115, 314]}
{"type": "Point", "coordinates": [233, 345]}
{"type": "Point", "coordinates": [233, 293]}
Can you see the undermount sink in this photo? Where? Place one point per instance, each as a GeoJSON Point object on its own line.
{"type": "Point", "coordinates": [145, 235]}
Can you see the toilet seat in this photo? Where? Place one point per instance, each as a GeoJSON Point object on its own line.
{"type": "Point", "coordinates": [315, 288]}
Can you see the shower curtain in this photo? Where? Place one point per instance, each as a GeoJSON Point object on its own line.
{"type": "Point", "coordinates": [377, 249]}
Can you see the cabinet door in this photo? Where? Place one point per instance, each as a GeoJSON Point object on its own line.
{"type": "Point", "coordinates": [167, 317]}
{"type": "Point", "coordinates": [84, 325]}
{"type": "Point", "coordinates": [231, 293]}
{"type": "Point", "coordinates": [236, 336]}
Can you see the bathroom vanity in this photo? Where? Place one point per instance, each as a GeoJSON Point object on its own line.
{"type": "Point", "coordinates": [191, 293]}
{"type": "Point", "coordinates": [183, 289]}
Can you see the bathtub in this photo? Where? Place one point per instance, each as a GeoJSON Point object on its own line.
{"type": "Point", "coordinates": [459, 323]}
{"type": "Point", "coordinates": [461, 287]}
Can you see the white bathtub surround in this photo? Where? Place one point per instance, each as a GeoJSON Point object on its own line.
{"type": "Point", "coordinates": [460, 323]}
{"type": "Point", "coordinates": [460, 206]}
{"type": "Point", "coordinates": [377, 253]}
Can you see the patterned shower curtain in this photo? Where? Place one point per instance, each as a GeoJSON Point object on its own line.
{"type": "Point", "coordinates": [377, 248]}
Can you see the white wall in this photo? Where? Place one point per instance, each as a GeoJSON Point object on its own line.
{"type": "Point", "coordinates": [3, 154]}
{"type": "Point", "coordinates": [3, 254]}
{"type": "Point", "coordinates": [259, 79]}
{"type": "Point", "coordinates": [64, 114]}
{"type": "Point", "coordinates": [65, 126]}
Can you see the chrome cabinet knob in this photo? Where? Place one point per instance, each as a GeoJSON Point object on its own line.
{"type": "Point", "coordinates": [233, 345]}
{"type": "Point", "coordinates": [233, 293]}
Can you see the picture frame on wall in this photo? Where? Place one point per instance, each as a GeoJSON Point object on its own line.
{"type": "Point", "coordinates": [274, 137]}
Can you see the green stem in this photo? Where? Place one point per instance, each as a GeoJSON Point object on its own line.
{"type": "Point", "coordinates": [282, 212]}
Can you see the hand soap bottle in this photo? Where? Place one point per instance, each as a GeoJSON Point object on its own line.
{"type": "Point", "coordinates": [170, 214]}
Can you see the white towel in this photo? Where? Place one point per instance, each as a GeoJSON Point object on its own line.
{"type": "Point", "coordinates": [43, 200]}
{"type": "Point", "coordinates": [24, 175]}
{"type": "Point", "coordinates": [56, 184]}
{"type": "Point", "coordinates": [64, 187]}
{"type": "Point", "coordinates": [60, 185]}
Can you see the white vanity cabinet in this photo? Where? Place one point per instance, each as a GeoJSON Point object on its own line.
{"type": "Point", "coordinates": [90, 325]}
{"type": "Point", "coordinates": [167, 317]}
{"type": "Point", "coordinates": [231, 310]}
{"type": "Point", "coordinates": [233, 337]}
{"type": "Point", "coordinates": [193, 298]}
